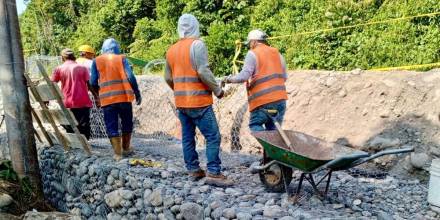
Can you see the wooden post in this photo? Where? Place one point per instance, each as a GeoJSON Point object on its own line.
{"type": "Point", "coordinates": [20, 131]}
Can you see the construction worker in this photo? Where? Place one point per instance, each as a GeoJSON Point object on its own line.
{"type": "Point", "coordinates": [86, 56]}
{"type": "Point", "coordinates": [74, 80]}
{"type": "Point", "coordinates": [117, 89]}
{"type": "Point", "coordinates": [264, 71]}
{"type": "Point", "coordinates": [188, 74]}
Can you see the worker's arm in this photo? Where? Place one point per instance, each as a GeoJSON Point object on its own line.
{"type": "Point", "coordinates": [132, 79]}
{"type": "Point", "coordinates": [284, 66]}
{"type": "Point", "coordinates": [250, 63]}
{"type": "Point", "coordinates": [94, 76]}
{"type": "Point", "coordinates": [56, 77]}
{"type": "Point", "coordinates": [199, 61]}
{"type": "Point", "coordinates": [168, 76]}
{"type": "Point", "coordinates": [93, 83]}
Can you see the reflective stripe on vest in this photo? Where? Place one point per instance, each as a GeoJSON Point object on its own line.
{"type": "Point", "coordinates": [268, 83]}
{"type": "Point", "coordinates": [114, 86]}
{"type": "Point", "coordinates": [189, 90]}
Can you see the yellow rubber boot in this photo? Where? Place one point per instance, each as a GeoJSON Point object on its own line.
{"type": "Point", "coordinates": [117, 147]}
{"type": "Point", "coordinates": [126, 147]}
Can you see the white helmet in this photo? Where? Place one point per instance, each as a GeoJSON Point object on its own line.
{"type": "Point", "coordinates": [256, 35]}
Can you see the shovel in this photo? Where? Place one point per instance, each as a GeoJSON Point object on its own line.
{"type": "Point", "coordinates": [273, 113]}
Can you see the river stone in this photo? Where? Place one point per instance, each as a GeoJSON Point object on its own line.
{"type": "Point", "coordinates": [384, 216]}
{"type": "Point", "coordinates": [127, 194]}
{"type": "Point", "coordinates": [175, 209]}
{"type": "Point", "coordinates": [148, 184]}
{"type": "Point", "coordinates": [155, 198]}
{"type": "Point", "coordinates": [357, 202]}
{"type": "Point", "coordinates": [86, 210]}
{"type": "Point", "coordinates": [229, 213]}
{"type": "Point", "coordinates": [418, 160]}
{"type": "Point", "coordinates": [191, 211]}
{"type": "Point", "coordinates": [217, 213]}
{"type": "Point", "coordinates": [113, 199]}
{"type": "Point", "coordinates": [33, 215]}
{"type": "Point", "coordinates": [151, 216]}
{"type": "Point", "coordinates": [244, 216]}
{"type": "Point", "coordinates": [5, 200]}
{"type": "Point", "coordinates": [274, 212]}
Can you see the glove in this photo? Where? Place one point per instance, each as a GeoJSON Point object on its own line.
{"type": "Point", "coordinates": [138, 99]}
{"type": "Point", "coordinates": [222, 93]}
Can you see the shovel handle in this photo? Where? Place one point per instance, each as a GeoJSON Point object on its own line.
{"type": "Point", "coordinates": [272, 113]}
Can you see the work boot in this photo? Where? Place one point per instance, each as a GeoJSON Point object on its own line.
{"type": "Point", "coordinates": [117, 147]}
{"type": "Point", "coordinates": [197, 174]}
{"type": "Point", "coordinates": [127, 150]}
{"type": "Point", "coordinates": [219, 180]}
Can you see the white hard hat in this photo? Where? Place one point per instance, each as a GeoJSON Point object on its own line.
{"type": "Point", "coordinates": [256, 35]}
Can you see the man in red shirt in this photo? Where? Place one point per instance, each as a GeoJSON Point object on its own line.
{"type": "Point", "coordinates": [74, 80]}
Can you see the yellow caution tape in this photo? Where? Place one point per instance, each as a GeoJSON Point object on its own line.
{"type": "Point", "coordinates": [408, 67]}
{"type": "Point", "coordinates": [238, 43]}
{"type": "Point", "coordinates": [357, 25]}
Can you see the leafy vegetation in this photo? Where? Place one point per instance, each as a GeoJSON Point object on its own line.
{"type": "Point", "coordinates": [147, 28]}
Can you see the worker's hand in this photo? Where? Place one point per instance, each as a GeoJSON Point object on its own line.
{"type": "Point", "coordinates": [222, 93]}
{"type": "Point", "coordinates": [138, 99]}
{"type": "Point", "coordinates": [97, 103]}
{"type": "Point", "coordinates": [224, 81]}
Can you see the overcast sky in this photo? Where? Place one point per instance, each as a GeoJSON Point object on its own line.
{"type": "Point", "coordinates": [20, 6]}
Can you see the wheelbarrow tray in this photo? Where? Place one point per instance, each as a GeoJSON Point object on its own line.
{"type": "Point", "coordinates": [309, 153]}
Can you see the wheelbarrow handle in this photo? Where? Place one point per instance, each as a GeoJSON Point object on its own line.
{"type": "Point", "coordinates": [382, 153]}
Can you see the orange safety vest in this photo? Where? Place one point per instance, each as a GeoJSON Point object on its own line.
{"type": "Point", "coordinates": [189, 90]}
{"type": "Point", "coordinates": [114, 86]}
{"type": "Point", "coordinates": [268, 83]}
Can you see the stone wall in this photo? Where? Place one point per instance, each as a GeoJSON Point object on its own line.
{"type": "Point", "coordinates": [96, 187]}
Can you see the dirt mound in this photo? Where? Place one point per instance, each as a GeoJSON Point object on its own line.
{"type": "Point", "coordinates": [363, 109]}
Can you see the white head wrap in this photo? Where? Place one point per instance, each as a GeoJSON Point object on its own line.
{"type": "Point", "coordinates": [188, 26]}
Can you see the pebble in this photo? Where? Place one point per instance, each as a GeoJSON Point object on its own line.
{"type": "Point", "coordinates": [244, 216]}
{"type": "Point", "coordinates": [113, 199]}
{"type": "Point", "coordinates": [419, 160]}
{"type": "Point", "coordinates": [191, 211]}
{"type": "Point", "coordinates": [5, 200]}
{"type": "Point", "coordinates": [229, 213]}
{"type": "Point", "coordinates": [274, 212]}
{"type": "Point", "coordinates": [155, 198]}
{"type": "Point", "coordinates": [127, 194]}
{"type": "Point", "coordinates": [357, 202]}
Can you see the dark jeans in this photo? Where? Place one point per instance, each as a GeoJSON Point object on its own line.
{"type": "Point", "coordinates": [260, 121]}
{"type": "Point", "coordinates": [82, 116]}
{"type": "Point", "coordinates": [204, 119]}
{"type": "Point", "coordinates": [112, 114]}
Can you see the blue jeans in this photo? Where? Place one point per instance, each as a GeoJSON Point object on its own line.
{"type": "Point", "coordinates": [112, 114]}
{"type": "Point", "coordinates": [260, 121]}
{"type": "Point", "coordinates": [204, 119]}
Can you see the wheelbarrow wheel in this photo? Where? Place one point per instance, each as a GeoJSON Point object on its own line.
{"type": "Point", "coordinates": [273, 178]}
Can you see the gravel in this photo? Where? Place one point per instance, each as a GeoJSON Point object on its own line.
{"type": "Point", "coordinates": [105, 189]}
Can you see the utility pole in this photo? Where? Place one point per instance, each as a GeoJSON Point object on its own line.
{"type": "Point", "coordinates": [16, 105]}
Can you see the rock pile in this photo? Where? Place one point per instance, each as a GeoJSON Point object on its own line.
{"type": "Point", "coordinates": [96, 187]}
{"type": "Point", "coordinates": [363, 109]}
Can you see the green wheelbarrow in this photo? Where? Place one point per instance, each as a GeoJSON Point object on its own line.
{"type": "Point", "coordinates": [285, 150]}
